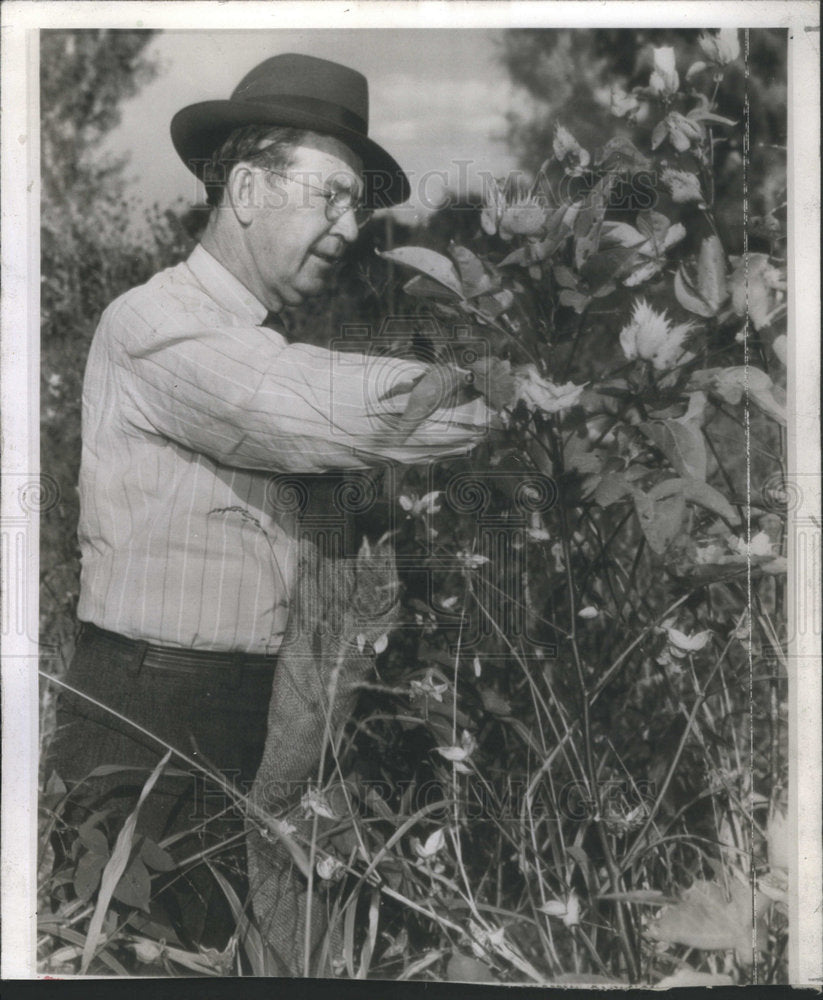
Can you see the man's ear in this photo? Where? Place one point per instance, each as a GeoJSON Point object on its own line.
{"type": "Point", "coordinates": [240, 191]}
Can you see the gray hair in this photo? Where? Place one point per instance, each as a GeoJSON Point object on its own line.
{"type": "Point", "coordinates": [271, 146]}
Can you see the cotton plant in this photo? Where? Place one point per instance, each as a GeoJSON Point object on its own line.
{"type": "Point", "coordinates": [650, 336]}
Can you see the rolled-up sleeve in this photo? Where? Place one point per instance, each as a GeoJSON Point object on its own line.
{"type": "Point", "coordinates": [247, 398]}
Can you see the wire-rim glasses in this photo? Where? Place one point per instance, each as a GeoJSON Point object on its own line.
{"type": "Point", "coordinates": [338, 200]}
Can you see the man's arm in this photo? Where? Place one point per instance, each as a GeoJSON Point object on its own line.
{"type": "Point", "coordinates": [246, 398]}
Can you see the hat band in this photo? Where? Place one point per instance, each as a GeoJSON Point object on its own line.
{"type": "Point", "coordinates": [334, 114]}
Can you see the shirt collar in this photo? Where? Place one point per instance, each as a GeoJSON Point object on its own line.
{"type": "Point", "coordinates": [228, 291]}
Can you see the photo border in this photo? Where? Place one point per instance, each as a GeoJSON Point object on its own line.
{"type": "Point", "coordinates": [19, 387]}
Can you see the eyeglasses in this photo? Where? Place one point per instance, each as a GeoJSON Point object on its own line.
{"type": "Point", "coordinates": [338, 200]}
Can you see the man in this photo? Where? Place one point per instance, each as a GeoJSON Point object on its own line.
{"type": "Point", "coordinates": [192, 401]}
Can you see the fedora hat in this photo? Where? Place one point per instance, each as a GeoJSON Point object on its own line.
{"type": "Point", "coordinates": [301, 92]}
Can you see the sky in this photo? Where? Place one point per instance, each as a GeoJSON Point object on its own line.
{"type": "Point", "coordinates": [437, 97]}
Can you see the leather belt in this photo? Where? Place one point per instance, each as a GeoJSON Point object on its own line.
{"type": "Point", "coordinates": [178, 660]}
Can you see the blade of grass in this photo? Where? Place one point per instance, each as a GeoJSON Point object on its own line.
{"type": "Point", "coordinates": [115, 867]}
{"type": "Point", "coordinates": [348, 931]}
{"type": "Point", "coordinates": [247, 933]}
{"type": "Point", "coordinates": [77, 939]}
{"type": "Point", "coordinates": [368, 946]}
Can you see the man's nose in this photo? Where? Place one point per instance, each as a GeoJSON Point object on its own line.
{"type": "Point", "coordinates": [346, 226]}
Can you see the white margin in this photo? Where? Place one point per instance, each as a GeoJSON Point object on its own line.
{"type": "Point", "coordinates": [19, 377]}
{"type": "Point", "coordinates": [804, 528]}
{"type": "Point", "coordinates": [19, 406]}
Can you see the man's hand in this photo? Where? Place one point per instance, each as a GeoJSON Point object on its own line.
{"type": "Point", "coordinates": [444, 385]}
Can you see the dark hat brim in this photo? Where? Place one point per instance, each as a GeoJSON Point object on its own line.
{"type": "Point", "coordinates": [200, 129]}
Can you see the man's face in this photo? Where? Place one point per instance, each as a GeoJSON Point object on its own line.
{"type": "Point", "coordinates": [294, 245]}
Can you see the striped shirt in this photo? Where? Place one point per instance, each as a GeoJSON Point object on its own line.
{"type": "Point", "coordinates": [189, 406]}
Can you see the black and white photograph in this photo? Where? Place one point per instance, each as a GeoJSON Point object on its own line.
{"type": "Point", "coordinates": [410, 531]}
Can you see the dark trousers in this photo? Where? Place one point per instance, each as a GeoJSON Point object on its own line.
{"type": "Point", "coordinates": [211, 709]}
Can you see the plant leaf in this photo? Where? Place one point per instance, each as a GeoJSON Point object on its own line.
{"type": "Point", "coordinates": [156, 857]}
{"type": "Point", "coordinates": [87, 874]}
{"type": "Point", "coordinates": [699, 492]}
{"type": "Point", "coordinates": [704, 918]}
{"type": "Point", "coordinates": [433, 265]}
{"type": "Point", "coordinates": [660, 517]}
{"type": "Point", "coordinates": [682, 444]}
{"type": "Point", "coordinates": [495, 703]}
{"type": "Point", "coordinates": [134, 887]}
{"type": "Point", "coordinates": [621, 155]}
{"type": "Point", "coordinates": [94, 840]}
{"type": "Point", "coordinates": [564, 276]}
{"type": "Point", "coordinates": [473, 277]}
{"type": "Point", "coordinates": [711, 273]}
{"type": "Point", "coordinates": [115, 867]}
{"type": "Point", "coordinates": [589, 221]}
{"type": "Point", "coordinates": [652, 897]}
{"type": "Point", "coordinates": [424, 288]}
{"type": "Point", "coordinates": [654, 226]}
{"type": "Point", "coordinates": [495, 381]}
{"type": "Point", "coordinates": [573, 299]}
{"type": "Point", "coordinates": [658, 134]}
{"type": "Point", "coordinates": [611, 488]}
{"type": "Point", "coordinates": [688, 297]}
{"type": "Point", "coordinates": [433, 390]}
{"type": "Point", "coordinates": [467, 969]}
{"type": "Point", "coordinates": [260, 955]}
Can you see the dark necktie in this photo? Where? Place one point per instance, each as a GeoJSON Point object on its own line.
{"type": "Point", "coordinates": [279, 322]}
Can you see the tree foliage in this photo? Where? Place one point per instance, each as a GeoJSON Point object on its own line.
{"type": "Point", "coordinates": [570, 76]}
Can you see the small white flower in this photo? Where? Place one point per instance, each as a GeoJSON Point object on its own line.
{"type": "Point", "coordinates": [476, 666]}
{"type": "Point", "coordinates": [494, 203]}
{"type": "Point", "coordinates": [538, 534]}
{"type": "Point", "coordinates": [539, 393]}
{"type": "Point", "coordinates": [428, 687]}
{"type": "Point", "coordinates": [683, 184]}
{"type": "Point", "coordinates": [722, 48]}
{"type": "Point", "coordinates": [588, 612]}
{"type": "Point", "coordinates": [329, 869]}
{"type": "Point", "coordinates": [568, 911]}
{"type": "Point", "coordinates": [621, 103]}
{"type": "Point", "coordinates": [314, 801]}
{"type": "Point", "coordinates": [282, 826]}
{"type": "Point", "coordinates": [682, 643]}
{"type": "Point", "coordinates": [458, 754]}
{"type": "Point", "coordinates": [148, 951]}
{"type": "Point", "coordinates": [557, 552]}
{"type": "Point", "coordinates": [566, 147]}
{"type": "Point", "coordinates": [470, 560]}
{"type": "Point", "coordinates": [761, 545]}
{"type": "Point", "coordinates": [743, 631]}
{"type": "Point", "coordinates": [709, 554]}
{"type": "Point", "coordinates": [434, 842]}
{"type": "Point", "coordinates": [523, 216]}
{"type": "Point", "coordinates": [415, 507]}
{"type": "Point", "coordinates": [664, 80]}
{"type": "Point", "coordinates": [380, 643]}
{"type": "Point", "coordinates": [483, 941]}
